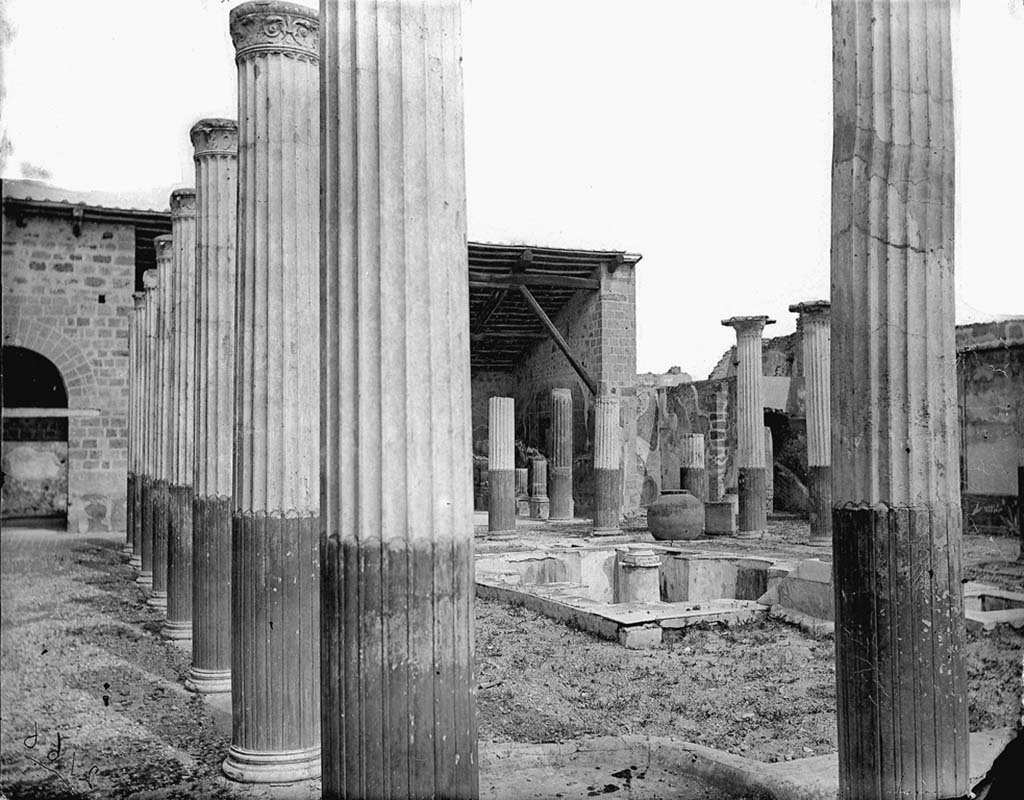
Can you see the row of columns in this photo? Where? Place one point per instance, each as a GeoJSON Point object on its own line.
{"type": "Point", "coordinates": [385, 402]}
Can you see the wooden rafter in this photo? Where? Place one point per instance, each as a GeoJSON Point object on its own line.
{"type": "Point", "coordinates": [559, 339]}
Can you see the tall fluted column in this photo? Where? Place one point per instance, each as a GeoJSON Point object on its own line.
{"type": "Point", "coordinates": [539, 502]}
{"type": "Point", "coordinates": [901, 684]}
{"type": "Point", "coordinates": [215, 143]}
{"type": "Point", "coordinates": [607, 466]}
{"type": "Point", "coordinates": [399, 711]}
{"type": "Point", "coordinates": [501, 463]}
{"type": "Point", "coordinates": [164, 447]}
{"type": "Point", "coordinates": [560, 467]}
{"type": "Point", "coordinates": [182, 435]}
{"type": "Point", "coordinates": [136, 348]}
{"type": "Point", "coordinates": [275, 565]}
{"type": "Point", "coordinates": [816, 334]}
{"type": "Point", "coordinates": [750, 454]}
{"type": "Point", "coordinates": [692, 473]}
{"type": "Point", "coordinates": [150, 401]}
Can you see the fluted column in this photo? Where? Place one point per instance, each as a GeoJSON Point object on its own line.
{"type": "Point", "coordinates": [815, 333]}
{"type": "Point", "coordinates": [501, 463]}
{"type": "Point", "coordinates": [539, 502]}
{"type": "Point", "coordinates": [750, 454]}
{"type": "Point", "coordinates": [692, 473]}
{"type": "Point", "coordinates": [182, 422]}
{"type": "Point", "coordinates": [150, 398]}
{"type": "Point", "coordinates": [399, 713]}
{"type": "Point", "coordinates": [560, 468]}
{"type": "Point", "coordinates": [164, 446]}
{"type": "Point", "coordinates": [275, 578]}
{"type": "Point", "coordinates": [136, 348]}
{"type": "Point", "coordinates": [901, 684]}
{"type": "Point", "coordinates": [215, 143]}
{"type": "Point", "coordinates": [769, 472]}
{"type": "Point", "coordinates": [607, 466]}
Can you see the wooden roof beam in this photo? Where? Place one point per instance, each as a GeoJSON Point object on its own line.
{"type": "Point", "coordinates": [559, 339]}
{"type": "Point", "coordinates": [488, 280]}
{"type": "Point", "coordinates": [487, 311]}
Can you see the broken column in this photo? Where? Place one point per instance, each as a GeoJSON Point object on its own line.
{"type": "Point", "coordinates": [522, 491]}
{"type": "Point", "coordinates": [607, 464]}
{"type": "Point", "coordinates": [275, 567]}
{"type": "Point", "coordinates": [215, 143]}
{"type": "Point", "coordinates": [183, 356]}
{"type": "Point", "coordinates": [750, 454]}
{"type": "Point", "coordinates": [769, 471]}
{"type": "Point", "coordinates": [399, 712]}
{"type": "Point", "coordinates": [560, 465]}
{"type": "Point", "coordinates": [136, 348]}
{"type": "Point", "coordinates": [162, 412]}
{"type": "Point", "coordinates": [815, 332]}
{"type": "Point", "coordinates": [901, 684]}
{"type": "Point", "coordinates": [539, 503]}
{"type": "Point", "coordinates": [501, 455]}
{"type": "Point", "coordinates": [691, 464]}
{"type": "Point", "coordinates": [150, 398]}
{"type": "Point", "coordinates": [638, 576]}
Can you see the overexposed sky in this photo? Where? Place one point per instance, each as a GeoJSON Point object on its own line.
{"type": "Point", "coordinates": [696, 133]}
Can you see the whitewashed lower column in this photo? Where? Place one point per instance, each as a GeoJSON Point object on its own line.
{"type": "Point", "coordinates": [750, 453]}
{"type": "Point", "coordinates": [275, 563]}
{"type": "Point", "coordinates": [816, 334]}
{"type": "Point", "coordinates": [501, 463]}
{"type": "Point", "coordinates": [399, 711]}
{"type": "Point", "coordinates": [607, 466]}
{"type": "Point", "coordinates": [901, 688]}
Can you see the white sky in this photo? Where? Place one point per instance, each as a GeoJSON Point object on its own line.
{"type": "Point", "coordinates": [695, 133]}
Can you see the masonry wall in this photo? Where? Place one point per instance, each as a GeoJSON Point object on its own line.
{"type": "Point", "coordinates": [68, 297]}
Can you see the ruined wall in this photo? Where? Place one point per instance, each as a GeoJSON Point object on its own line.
{"type": "Point", "coordinates": [68, 297]}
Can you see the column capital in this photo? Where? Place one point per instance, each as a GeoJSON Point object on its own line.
{"type": "Point", "coordinates": [748, 325]}
{"type": "Point", "coordinates": [183, 203]}
{"type": "Point", "coordinates": [275, 27]}
{"type": "Point", "coordinates": [812, 310]}
{"type": "Point", "coordinates": [139, 297]}
{"type": "Point", "coordinates": [150, 280]}
{"type": "Point", "coordinates": [214, 137]}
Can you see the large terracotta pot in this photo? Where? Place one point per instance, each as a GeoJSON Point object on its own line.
{"type": "Point", "coordinates": [677, 514]}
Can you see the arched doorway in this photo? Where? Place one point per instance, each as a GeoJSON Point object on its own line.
{"type": "Point", "coordinates": [35, 438]}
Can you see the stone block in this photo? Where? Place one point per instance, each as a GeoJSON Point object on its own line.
{"type": "Point", "coordinates": [640, 637]}
{"type": "Point", "coordinates": [720, 518]}
{"type": "Point", "coordinates": [813, 569]}
{"type": "Point", "coordinates": [813, 598]}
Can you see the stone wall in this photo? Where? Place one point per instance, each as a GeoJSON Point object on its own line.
{"type": "Point", "coordinates": [68, 297]}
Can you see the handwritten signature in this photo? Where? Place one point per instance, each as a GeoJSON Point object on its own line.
{"type": "Point", "coordinates": [52, 762]}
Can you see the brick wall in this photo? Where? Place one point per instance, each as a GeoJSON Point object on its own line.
{"type": "Point", "coordinates": [68, 298]}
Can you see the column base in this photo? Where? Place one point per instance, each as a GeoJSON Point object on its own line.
{"type": "Point", "coordinates": [750, 534]}
{"type": "Point", "coordinates": [157, 600]}
{"type": "Point", "coordinates": [208, 681]}
{"type": "Point", "coordinates": [290, 766]}
{"type": "Point", "coordinates": [522, 508]}
{"type": "Point", "coordinates": [539, 508]}
{"type": "Point", "coordinates": [135, 562]}
{"type": "Point", "coordinates": [145, 579]}
{"type": "Point", "coordinates": [501, 536]}
{"type": "Point", "coordinates": [177, 629]}
{"type": "Point", "coordinates": [126, 550]}
{"type": "Point", "coordinates": [606, 532]}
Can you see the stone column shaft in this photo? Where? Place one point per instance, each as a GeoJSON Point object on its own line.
{"type": "Point", "coordinates": [149, 282]}
{"type": "Point", "coordinates": [215, 144]}
{"type": "Point", "coordinates": [399, 712]}
{"type": "Point", "coordinates": [501, 462]}
{"type": "Point", "coordinates": [769, 472]}
{"type": "Point", "coordinates": [692, 474]}
{"type": "Point", "coordinates": [607, 465]}
{"type": "Point", "coordinates": [560, 467]}
{"type": "Point", "coordinates": [136, 349]}
{"type": "Point", "coordinates": [182, 421]}
{"type": "Point", "coordinates": [816, 335]}
{"type": "Point", "coordinates": [901, 684]}
{"type": "Point", "coordinates": [750, 451]}
{"type": "Point", "coordinates": [275, 579]}
{"type": "Point", "coordinates": [539, 502]}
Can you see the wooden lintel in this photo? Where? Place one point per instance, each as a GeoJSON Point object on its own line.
{"type": "Point", "coordinates": [487, 311]}
{"type": "Point", "coordinates": [559, 339]}
{"type": "Point", "coordinates": [487, 280]}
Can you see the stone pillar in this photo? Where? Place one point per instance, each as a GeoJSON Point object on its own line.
{"type": "Point", "coordinates": [750, 455]}
{"type": "Point", "coordinates": [150, 282]}
{"type": "Point", "coordinates": [136, 348]}
{"type": "Point", "coordinates": [215, 143]}
{"type": "Point", "coordinates": [692, 474]}
{"type": "Point", "coordinates": [182, 421]}
{"type": "Point", "coordinates": [275, 565]}
{"type": "Point", "coordinates": [718, 449]}
{"type": "Point", "coordinates": [901, 685]}
{"type": "Point", "coordinates": [539, 503]}
{"type": "Point", "coordinates": [607, 466]}
{"type": "Point", "coordinates": [560, 467]}
{"type": "Point", "coordinates": [522, 491]}
{"type": "Point", "coordinates": [501, 455]}
{"type": "Point", "coordinates": [769, 471]}
{"type": "Point", "coordinates": [163, 411]}
{"type": "Point", "coordinates": [815, 333]}
{"type": "Point", "coordinates": [399, 710]}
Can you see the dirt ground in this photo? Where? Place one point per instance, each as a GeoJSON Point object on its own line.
{"type": "Point", "coordinates": [91, 702]}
